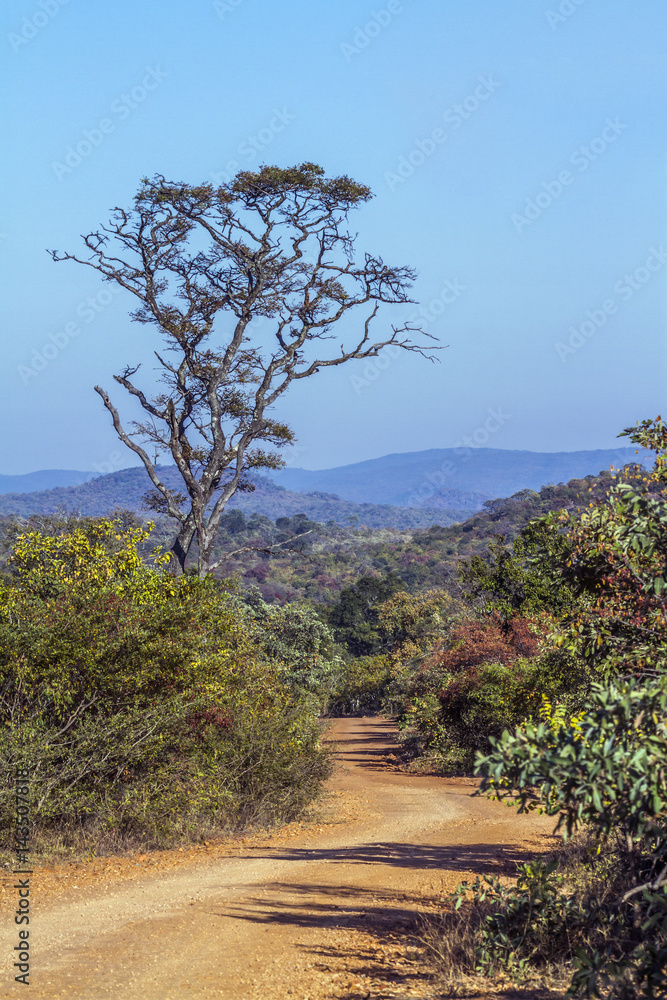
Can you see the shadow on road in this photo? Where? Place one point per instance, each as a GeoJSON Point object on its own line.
{"type": "Point", "coordinates": [392, 920]}
{"type": "Point", "coordinates": [483, 859]}
{"type": "Point", "coordinates": [371, 750]}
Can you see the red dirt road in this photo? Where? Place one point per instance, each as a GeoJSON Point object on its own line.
{"type": "Point", "coordinates": [314, 911]}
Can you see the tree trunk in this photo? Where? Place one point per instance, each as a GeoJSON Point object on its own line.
{"type": "Point", "coordinates": [205, 540]}
{"type": "Point", "coordinates": [182, 544]}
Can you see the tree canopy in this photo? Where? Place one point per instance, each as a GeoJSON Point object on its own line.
{"type": "Point", "coordinates": [244, 283]}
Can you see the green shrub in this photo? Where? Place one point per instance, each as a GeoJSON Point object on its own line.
{"type": "Point", "coordinates": [141, 705]}
{"type": "Point", "coordinates": [560, 922]}
{"type": "Point", "coordinates": [605, 771]}
{"type": "Point", "coordinates": [491, 928]}
{"type": "Point", "coordinates": [355, 616]}
{"type": "Point", "coordinates": [362, 686]}
{"type": "Point", "coordinates": [484, 679]}
{"type": "Point", "coordinates": [294, 636]}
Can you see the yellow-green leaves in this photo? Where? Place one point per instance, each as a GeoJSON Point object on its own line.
{"type": "Point", "coordinates": [95, 557]}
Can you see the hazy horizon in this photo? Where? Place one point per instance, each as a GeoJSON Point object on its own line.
{"type": "Point", "coordinates": [516, 154]}
{"type": "Point", "coordinates": [328, 468]}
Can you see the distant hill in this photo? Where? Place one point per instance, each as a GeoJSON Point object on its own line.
{"type": "Point", "coordinates": [452, 477]}
{"type": "Point", "coordinates": [330, 558]}
{"type": "Point", "coordinates": [407, 491]}
{"type": "Point", "coordinates": [421, 547]}
{"type": "Point", "coordinates": [127, 487]}
{"type": "Point", "coordinates": [46, 479]}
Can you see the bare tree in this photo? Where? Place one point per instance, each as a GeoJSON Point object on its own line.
{"type": "Point", "coordinates": [216, 264]}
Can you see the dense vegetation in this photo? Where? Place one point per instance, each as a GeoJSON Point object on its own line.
{"type": "Point", "coordinates": [559, 682]}
{"type": "Point", "coordinates": [528, 643]}
{"type": "Point", "coordinates": [149, 709]}
{"type": "Point", "coordinates": [332, 555]}
{"type": "Point", "coordinates": [153, 708]}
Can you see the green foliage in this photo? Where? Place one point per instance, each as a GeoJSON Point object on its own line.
{"type": "Point", "coordinates": [298, 525]}
{"type": "Point", "coordinates": [92, 555]}
{"type": "Point", "coordinates": [410, 624]}
{"type": "Point", "coordinates": [141, 703]}
{"type": "Point", "coordinates": [607, 771]}
{"type": "Point", "coordinates": [523, 579]}
{"type": "Point", "coordinates": [333, 557]}
{"type": "Point", "coordinates": [561, 920]}
{"type": "Point", "coordinates": [618, 567]}
{"type": "Point", "coordinates": [355, 617]}
{"type": "Point", "coordinates": [453, 719]}
{"type": "Point", "coordinates": [480, 677]}
{"type": "Point", "coordinates": [296, 637]}
{"type": "Point", "coordinates": [362, 686]}
{"type": "Point", "coordinates": [520, 927]}
{"type": "Point", "coordinates": [396, 626]}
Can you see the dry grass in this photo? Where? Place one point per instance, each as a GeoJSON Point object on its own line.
{"type": "Point", "coordinates": [450, 939]}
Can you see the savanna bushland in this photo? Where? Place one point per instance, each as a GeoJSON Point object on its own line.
{"type": "Point", "coordinates": [166, 682]}
{"type": "Point", "coordinates": [526, 645]}
{"type": "Point", "coordinates": [552, 685]}
{"type": "Point", "coordinates": [146, 700]}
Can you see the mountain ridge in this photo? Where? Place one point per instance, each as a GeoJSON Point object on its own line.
{"type": "Point", "coordinates": [426, 478]}
{"type": "Point", "coordinates": [402, 490]}
{"type": "Point", "coordinates": [43, 479]}
{"type": "Point", "coordinates": [126, 488]}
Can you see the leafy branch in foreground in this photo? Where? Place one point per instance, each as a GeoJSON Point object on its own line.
{"type": "Point", "coordinates": [605, 773]}
{"type": "Point", "coordinates": [617, 568]}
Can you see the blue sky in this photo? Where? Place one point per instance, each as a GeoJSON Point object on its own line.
{"type": "Point", "coordinates": [517, 151]}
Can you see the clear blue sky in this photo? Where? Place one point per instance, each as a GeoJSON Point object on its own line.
{"type": "Point", "coordinates": [566, 111]}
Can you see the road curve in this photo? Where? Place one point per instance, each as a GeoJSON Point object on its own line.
{"type": "Point", "coordinates": [309, 915]}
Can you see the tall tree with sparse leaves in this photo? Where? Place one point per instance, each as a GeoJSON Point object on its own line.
{"type": "Point", "coordinates": [244, 282]}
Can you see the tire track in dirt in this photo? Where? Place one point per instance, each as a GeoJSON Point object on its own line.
{"type": "Point", "coordinates": [308, 913]}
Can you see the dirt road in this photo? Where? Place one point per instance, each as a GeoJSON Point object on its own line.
{"type": "Point", "coordinates": [312, 912]}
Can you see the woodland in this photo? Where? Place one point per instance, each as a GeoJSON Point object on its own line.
{"type": "Point", "coordinates": [526, 645]}
{"type": "Point", "coordinates": [166, 680]}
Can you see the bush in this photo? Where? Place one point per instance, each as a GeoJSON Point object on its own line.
{"type": "Point", "coordinates": [355, 617]}
{"type": "Point", "coordinates": [140, 703]}
{"type": "Point", "coordinates": [604, 771]}
{"type": "Point", "coordinates": [484, 679]}
{"type": "Point", "coordinates": [297, 639]}
{"type": "Point", "coordinates": [560, 922]}
{"type": "Point", "coordinates": [362, 686]}
{"type": "Point", "coordinates": [520, 931]}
